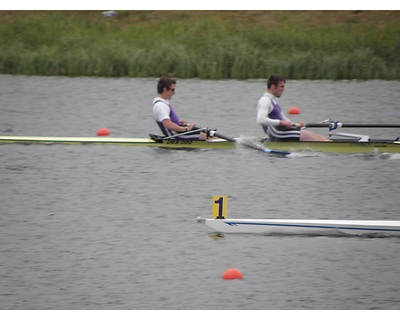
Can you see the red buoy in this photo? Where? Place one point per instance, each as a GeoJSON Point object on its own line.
{"type": "Point", "coordinates": [232, 274]}
{"type": "Point", "coordinates": [294, 110]}
{"type": "Point", "coordinates": [103, 132]}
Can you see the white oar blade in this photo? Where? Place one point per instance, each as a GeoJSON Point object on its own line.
{"type": "Point", "coordinates": [252, 143]}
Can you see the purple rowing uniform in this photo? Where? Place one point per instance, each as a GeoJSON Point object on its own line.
{"type": "Point", "coordinates": [172, 115]}
{"type": "Point", "coordinates": [163, 110]}
{"type": "Point", "coordinates": [269, 114]}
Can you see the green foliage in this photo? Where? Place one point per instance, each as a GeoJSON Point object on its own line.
{"type": "Point", "coordinates": [55, 43]}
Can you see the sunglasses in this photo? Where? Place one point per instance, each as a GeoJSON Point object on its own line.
{"type": "Point", "coordinates": [173, 90]}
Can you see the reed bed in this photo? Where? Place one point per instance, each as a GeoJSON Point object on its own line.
{"type": "Point", "coordinates": [132, 44]}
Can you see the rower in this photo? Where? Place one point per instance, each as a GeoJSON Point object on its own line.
{"type": "Point", "coordinates": [274, 122]}
{"type": "Point", "coordinates": [165, 116]}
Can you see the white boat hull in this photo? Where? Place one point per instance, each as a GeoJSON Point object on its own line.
{"type": "Point", "coordinates": [304, 227]}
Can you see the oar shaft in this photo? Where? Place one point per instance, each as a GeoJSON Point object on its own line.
{"type": "Point", "coordinates": [213, 133]}
{"type": "Point", "coordinates": [250, 144]}
{"type": "Point", "coordinates": [351, 125]}
{"type": "Point", "coordinates": [216, 134]}
{"type": "Point", "coordinates": [195, 130]}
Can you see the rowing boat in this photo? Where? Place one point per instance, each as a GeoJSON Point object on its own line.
{"type": "Point", "coordinates": [323, 227]}
{"type": "Point", "coordinates": [336, 146]}
{"type": "Point", "coordinates": [304, 227]}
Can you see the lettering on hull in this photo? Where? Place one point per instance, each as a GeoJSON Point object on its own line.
{"type": "Point", "coordinates": [179, 141]}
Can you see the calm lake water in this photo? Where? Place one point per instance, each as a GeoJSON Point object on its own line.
{"type": "Point", "coordinates": [111, 227]}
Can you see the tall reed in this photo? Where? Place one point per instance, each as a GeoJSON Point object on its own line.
{"type": "Point", "coordinates": [56, 43]}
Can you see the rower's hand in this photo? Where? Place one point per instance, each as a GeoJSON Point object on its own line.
{"type": "Point", "coordinates": [190, 126]}
{"type": "Point", "coordinates": [186, 124]}
{"type": "Point", "coordinates": [285, 123]}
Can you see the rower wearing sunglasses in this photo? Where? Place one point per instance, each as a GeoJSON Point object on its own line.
{"type": "Point", "coordinates": [165, 116]}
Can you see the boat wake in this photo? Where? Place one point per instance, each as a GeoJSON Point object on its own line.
{"type": "Point", "coordinates": [367, 156]}
{"type": "Point", "coordinates": [379, 156]}
{"type": "Point", "coordinates": [308, 154]}
{"type": "Point", "coordinates": [392, 156]}
{"type": "Point", "coordinates": [337, 234]}
{"type": "Point", "coordinates": [251, 142]}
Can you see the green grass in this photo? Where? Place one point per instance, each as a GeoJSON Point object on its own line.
{"type": "Point", "coordinates": [206, 46]}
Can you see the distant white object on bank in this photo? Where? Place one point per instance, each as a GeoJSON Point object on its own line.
{"type": "Point", "coordinates": [109, 14]}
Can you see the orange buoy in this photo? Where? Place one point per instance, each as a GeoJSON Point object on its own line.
{"type": "Point", "coordinates": [103, 132]}
{"type": "Point", "coordinates": [294, 110]}
{"type": "Point", "coordinates": [232, 274]}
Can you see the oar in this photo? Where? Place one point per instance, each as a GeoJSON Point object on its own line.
{"type": "Point", "coordinates": [250, 144]}
{"type": "Point", "coordinates": [195, 130]}
{"type": "Point", "coordinates": [335, 125]}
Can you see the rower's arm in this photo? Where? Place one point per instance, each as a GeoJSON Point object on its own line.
{"type": "Point", "coordinates": [169, 125]}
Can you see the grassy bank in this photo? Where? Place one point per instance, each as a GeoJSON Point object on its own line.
{"type": "Point", "coordinates": [207, 45]}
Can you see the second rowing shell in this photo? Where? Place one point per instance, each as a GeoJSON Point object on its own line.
{"type": "Point", "coordinates": [304, 227]}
